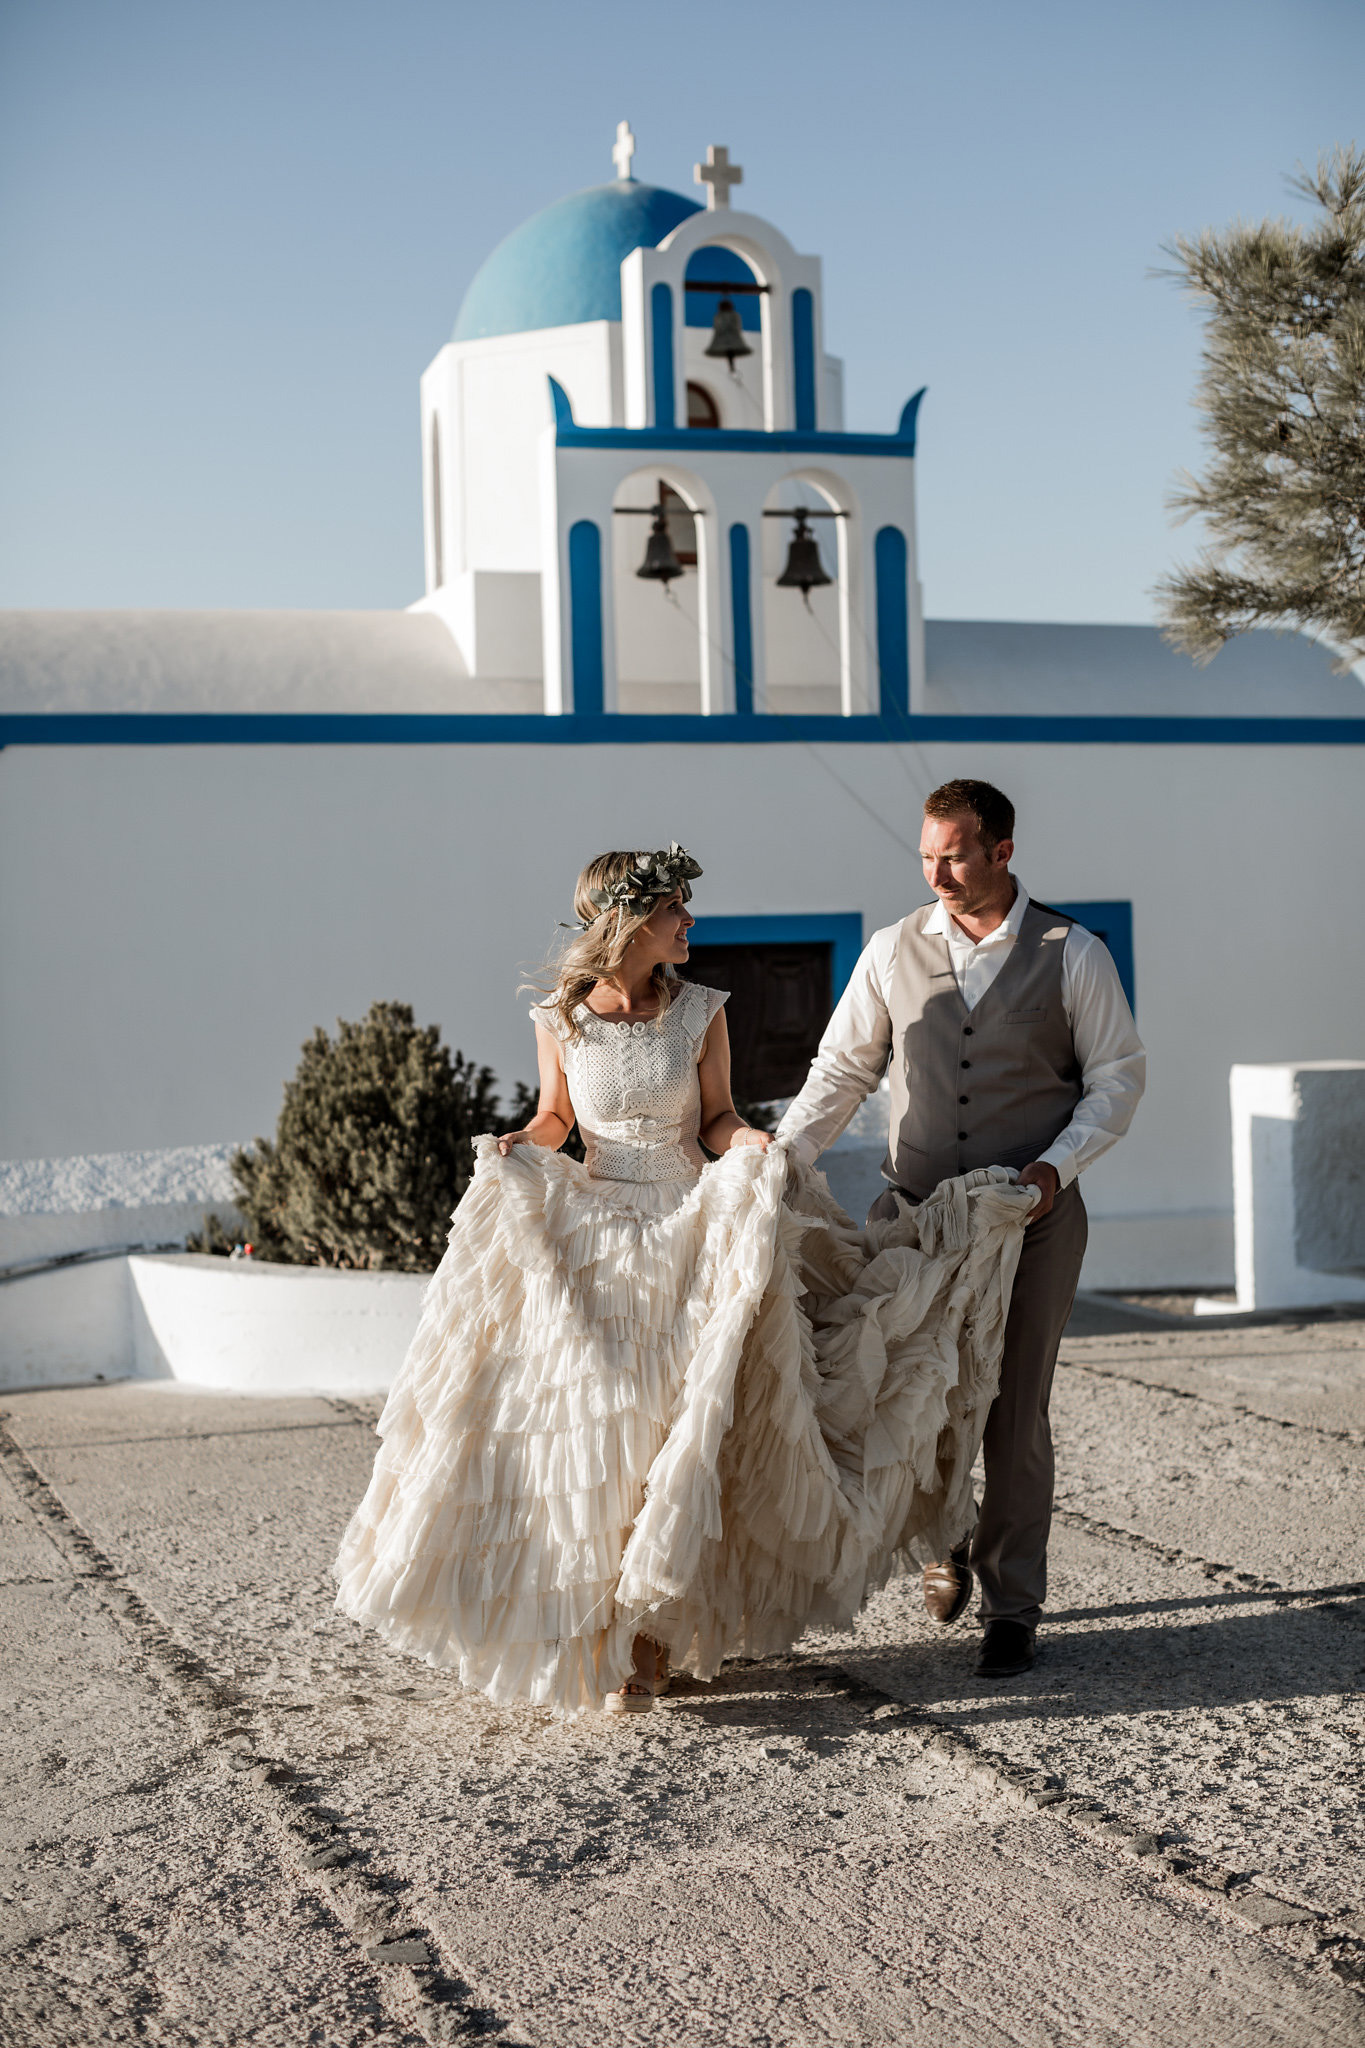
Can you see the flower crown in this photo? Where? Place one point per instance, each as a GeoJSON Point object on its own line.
{"type": "Point", "coordinates": [654, 877]}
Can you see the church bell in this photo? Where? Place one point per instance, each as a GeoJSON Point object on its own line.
{"type": "Point", "coordinates": [804, 571]}
{"type": "Point", "coordinates": [660, 564]}
{"type": "Point", "coordinates": [727, 335]}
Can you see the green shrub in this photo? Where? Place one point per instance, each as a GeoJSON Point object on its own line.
{"type": "Point", "coordinates": [373, 1149]}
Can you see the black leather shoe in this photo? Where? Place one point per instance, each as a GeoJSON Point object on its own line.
{"type": "Point", "coordinates": [1006, 1650]}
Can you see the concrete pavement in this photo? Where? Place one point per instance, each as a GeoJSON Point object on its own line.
{"type": "Point", "coordinates": [230, 1817]}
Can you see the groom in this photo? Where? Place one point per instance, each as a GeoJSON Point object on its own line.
{"type": "Point", "coordinates": [1009, 1042]}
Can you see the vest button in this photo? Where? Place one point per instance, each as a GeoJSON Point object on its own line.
{"type": "Point", "coordinates": [966, 1031]}
{"type": "Point", "coordinates": [962, 1098]}
{"type": "Point", "coordinates": [962, 1137]}
{"type": "Point", "coordinates": [966, 1063]}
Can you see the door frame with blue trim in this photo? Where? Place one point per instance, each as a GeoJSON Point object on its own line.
{"type": "Point", "coordinates": [1112, 921]}
{"type": "Point", "coordinates": [840, 930]}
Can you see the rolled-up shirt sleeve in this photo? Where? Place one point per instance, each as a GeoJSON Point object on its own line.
{"type": "Point", "coordinates": [853, 1056]}
{"type": "Point", "coordinates": [1112, 1059]}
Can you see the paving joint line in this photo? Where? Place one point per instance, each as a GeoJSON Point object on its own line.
{"type": "Point", "coordinates": [1029, 1787]}
{"type": "Point", "coordinates": [413, 1984]}
{"type": "Point", "coordinates": [1225, 1575]}
{"type": "Point", "coordinates": [1354, 1437]}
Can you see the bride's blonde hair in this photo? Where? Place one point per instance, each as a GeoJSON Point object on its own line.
{"type": "Point", "coordinates": [615, 896]}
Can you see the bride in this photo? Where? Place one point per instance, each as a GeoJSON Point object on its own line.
{"type": "Point", "coordinates": [658, 1410]}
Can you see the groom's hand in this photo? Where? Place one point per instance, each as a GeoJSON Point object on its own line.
{"type": "Point", "coordinates": [1041, 1175]}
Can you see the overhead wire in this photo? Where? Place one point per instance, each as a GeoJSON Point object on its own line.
{"type": "Point", "coordinates": [696, 622]}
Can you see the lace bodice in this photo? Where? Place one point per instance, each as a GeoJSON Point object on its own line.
{"type": "Point", "coordinates": [635, 1089]}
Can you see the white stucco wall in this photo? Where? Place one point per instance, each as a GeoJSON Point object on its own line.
{"type": "Point", "coordinates": [175, 920]}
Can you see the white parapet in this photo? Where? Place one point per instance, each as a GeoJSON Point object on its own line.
{"type": "Point", "coordinates": [64, 1227]}
{"type": "Point", "coordinates": [1298, 1165]}
{"type": "Point", "coordinates": [246, 1327]}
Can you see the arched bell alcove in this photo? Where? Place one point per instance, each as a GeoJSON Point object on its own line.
{"type": "Point", "coordinates": [735, 384]}
{"type": "Point", "coordinates": [659, 626]}
{"type": "Point", "coordinates": [807, 656]}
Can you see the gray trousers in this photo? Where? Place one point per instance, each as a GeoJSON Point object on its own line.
{"type": "Point", "coordinates": [1008, 1548]}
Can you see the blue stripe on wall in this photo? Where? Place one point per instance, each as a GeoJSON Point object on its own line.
{"type": "Point", "coordinates": [481, 729]}
{"type": "Point", "coordinates": [803, 359]}
{"type": "Point", "coordinates": [742, 616]}
{"type": "Point", "coordinates": [585, 613]}
{"type": "Point", "coordinates": [661, 314]}
{"type": "Point", "coordinates": [841, 930]}
{"type": "Point", "coordinates": [893, 622]}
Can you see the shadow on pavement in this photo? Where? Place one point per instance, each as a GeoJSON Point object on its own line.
{"type": "Point", "coordinates": [1218, 1659]}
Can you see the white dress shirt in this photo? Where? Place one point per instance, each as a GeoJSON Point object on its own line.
{"type": "Point", "coordinates": [856, 1048]}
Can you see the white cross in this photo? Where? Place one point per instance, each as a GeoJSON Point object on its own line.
{"type": "Point", "coordinates": [625, 149]}
{"type": "Point", "coordinates": [718, 174]}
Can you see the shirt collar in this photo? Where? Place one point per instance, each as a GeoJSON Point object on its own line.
{"type": "Point", "coordinates": [941, 924]}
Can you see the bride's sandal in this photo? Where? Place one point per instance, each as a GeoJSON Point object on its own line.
{"type": "Point", "coordinates": [635, 1697]}
{"type": "Point", "coordinates": [663, 1677]}
{"type": "Point", "coordinates": [638, 1693]}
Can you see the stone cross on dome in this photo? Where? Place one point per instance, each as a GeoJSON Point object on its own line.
{"type": "Point", "coordinates": [624, 150]}
{"type": "Point", "coordinates": [718, 174]}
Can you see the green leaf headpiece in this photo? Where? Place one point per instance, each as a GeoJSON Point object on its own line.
{"type": "Point", "coordinates": [653, 878]}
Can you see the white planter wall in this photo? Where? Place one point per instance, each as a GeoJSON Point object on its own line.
{"type": "Point", "coordinates": [250, 1328]}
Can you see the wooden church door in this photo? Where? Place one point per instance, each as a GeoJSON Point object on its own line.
{"type": "Point", "coordinates": [780, 1000]}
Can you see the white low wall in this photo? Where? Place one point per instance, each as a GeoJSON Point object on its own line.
{"type": "Point", "coordinates": [1298, 1163]}
{"type": "Point", "coordinates": [252, 1328]}
{"type": "Point", "coordinates": [67, 1327]}
{"type": "Point", "coordinates": [72, 1323]}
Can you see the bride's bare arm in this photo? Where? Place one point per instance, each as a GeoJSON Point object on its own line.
{"type": "Point", "coordinates": [554, 1117]}
{"type": "Point", "coordinates": [722, 1127]}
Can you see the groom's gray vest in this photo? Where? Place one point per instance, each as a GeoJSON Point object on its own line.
{"type": "Point", "coordinates": [991, 1086]}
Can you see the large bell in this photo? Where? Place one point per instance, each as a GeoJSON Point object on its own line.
{"type": "Point", "coordinates": [727, 335]}
{"type": "Point", "coordinates": [804, 571]}
{"type": "Point", "coordinates": [660, 564]}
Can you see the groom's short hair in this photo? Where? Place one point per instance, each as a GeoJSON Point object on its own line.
{"type": "Point", "coordinates": [992, 809]}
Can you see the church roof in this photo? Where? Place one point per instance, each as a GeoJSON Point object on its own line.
{"type": "Point", "coordinates": [241, 661]}
{"type": "Point", "coordinates": [990, 668]}
{"type": "Point", "coordinates": [372, 662]}
{"type": "Point", "coordinates": [563, 266]}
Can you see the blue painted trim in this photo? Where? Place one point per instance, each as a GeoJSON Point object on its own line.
{"type": "Point", "coordinates": [1111, 921]}
{"type": "Point", "coordinates": [585, 614]}
{"type": "Point", "coordinates": [741, 602]}
{"type": "Point", "coordinates": [842, 930]}
{"type": "Point", "coordinates": [661, 316]}
{"type": "Point", "coordinates": [803, 359]}
{"type": "Point", "coordinates": [732, 440]}
{"type": "Point", "coordinates": [735, 441]}
{"type": "Point", "coordinates": [893, 622]}
{"type": "Point", "coordinates": [910, 415]}
{"type": "Point", "coordinates": [498, 728]}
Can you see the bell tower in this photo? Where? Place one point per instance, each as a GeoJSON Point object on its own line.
{"type": "Point", "coordinates": [640, 497]}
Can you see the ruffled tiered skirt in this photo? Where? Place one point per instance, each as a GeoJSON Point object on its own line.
{"type": "Point", "coordinates": [711, 1412]}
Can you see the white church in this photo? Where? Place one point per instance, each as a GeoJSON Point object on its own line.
{"type": "Point", "coordinates": [669, 595]}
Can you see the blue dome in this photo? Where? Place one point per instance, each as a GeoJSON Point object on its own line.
{"type": "Point", "coordinates": [563, 266]}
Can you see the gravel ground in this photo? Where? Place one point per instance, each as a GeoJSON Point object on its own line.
{"type": "Point", "coordinates": [229, 1816]}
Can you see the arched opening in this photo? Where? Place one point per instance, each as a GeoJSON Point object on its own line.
{"type": "Point", "coordinates": [658, 627]}
{"type": "Point", "coordinates": [714, 275]}
{"type": "Point", "coordinates": [702, 409]}
{"type": "Point", "coordinates": [804, 633]}
{"type": "Point", "coordinates": [438, 551]}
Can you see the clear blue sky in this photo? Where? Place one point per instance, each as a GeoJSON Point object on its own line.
{"type": "Point", "coordinates": [233, 236]}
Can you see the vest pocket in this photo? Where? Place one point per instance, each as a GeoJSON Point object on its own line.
{"type": "Point", "coordinates": [1025, 1016]}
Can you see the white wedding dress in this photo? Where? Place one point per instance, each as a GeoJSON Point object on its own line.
{"type": "Point", "coordinates": [651, 1395]}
